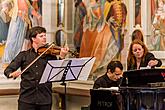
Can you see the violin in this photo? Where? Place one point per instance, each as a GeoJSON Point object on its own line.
{"type": "Point", "coordinates": [51, 51]}
{"type": "Point", "coordinates": [54, 50]}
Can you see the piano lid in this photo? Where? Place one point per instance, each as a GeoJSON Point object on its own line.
{"type": "Point", "coordinates": [143, 77]}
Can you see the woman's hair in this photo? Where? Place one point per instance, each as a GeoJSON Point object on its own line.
{"type": "Point", "coordinates": [32, 33]}
{"type": "Point", "coordinates": [137, 34]}
{"type": "Point", "coordinates": [113, 64]}
{"type": "Point", "coordinates": [131, 58]}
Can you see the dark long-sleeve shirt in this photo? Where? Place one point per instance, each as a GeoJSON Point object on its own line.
{"type": "Point", "coordinates": [105, 82]}
{"type": "Point", "coordinates": [30, 89]}
{"type": "Point", "coordinates": [149, 56]}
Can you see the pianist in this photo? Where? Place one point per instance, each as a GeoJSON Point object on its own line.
{"type": "Point", "coordinates": [112, 78]}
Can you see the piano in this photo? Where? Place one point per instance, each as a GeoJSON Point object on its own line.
{"type": "Point", "coordinates": [104, 99]}
{"type": "Point", "coordinates": [143, 77]}
{"type": "Point", "coordinates": [140, 90]}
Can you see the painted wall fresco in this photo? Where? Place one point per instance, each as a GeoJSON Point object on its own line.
{"type": "Point", "coordinates": [101, 29]}
{"type": "Point", "coordinates": [16, 17]}
{"type": "Point", "coordinates": [158, 25]}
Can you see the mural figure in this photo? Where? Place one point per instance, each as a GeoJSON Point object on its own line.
{"type": "Point", "coordinates": [4, 21]}
{"type": "Point", "coordinates": [5, 7]}
{"type": "Point", "coordinates": [98, 39]}
{"type": "Point", "coordinates": [117, 20]}
{"type": "Point", "coordinates": [37, 5]}
{"type": "Point", "coordinates": [159, 24]}
{"type": "Point", "coordinates": [80, 13]}
{"type": "Point", "coordinates": [96, 33]}
{"type": "Point", "coordinates": [155, 40]}
{"type": "Point", "coordinates": [19, 24]}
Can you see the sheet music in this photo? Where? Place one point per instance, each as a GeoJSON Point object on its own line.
{"type": "Point", "coordinates": [79, 69]}
{"type": "Point", "coordinates": [148, 67]}
{"type": "Point", "coordinates": [87, 69]}
{"type": "Point", "coordinates": [49, 69]}
{"type": "Point", "coordinates": [110, 89]}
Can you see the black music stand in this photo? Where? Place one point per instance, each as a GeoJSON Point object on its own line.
{"type": "Point", "coordinates": [67, 70]}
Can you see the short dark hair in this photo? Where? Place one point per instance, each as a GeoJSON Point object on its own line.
{"type": "Point", "coordinates": [113, 64]}
{"type": "Point", "coordinates": [32, 33]}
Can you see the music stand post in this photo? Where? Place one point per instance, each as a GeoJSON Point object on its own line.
{"type": "Point", "coordinates": [69, 70]}
{"type": "Point", "coordinates": [63, 81]}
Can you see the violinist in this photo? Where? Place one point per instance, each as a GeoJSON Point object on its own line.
{"type": "Point", "coordinates": [33, 96]}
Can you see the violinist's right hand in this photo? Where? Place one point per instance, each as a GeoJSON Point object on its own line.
{"type": "Point", "coordinates": [14, 74]}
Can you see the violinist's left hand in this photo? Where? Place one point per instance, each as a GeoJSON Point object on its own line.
{"type": "Point", "coordinates": [64, 51]}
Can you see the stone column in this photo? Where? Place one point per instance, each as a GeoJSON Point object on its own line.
{"type": "Point", "coordinates": [131, 15]}
{"type": "Point", "coordinates": [49, 18]}
{"type": "Point", "coordinates": [146, 18]}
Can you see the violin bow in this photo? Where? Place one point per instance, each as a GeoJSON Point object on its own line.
{"type": "Point", "coordinates": [52, 44]}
